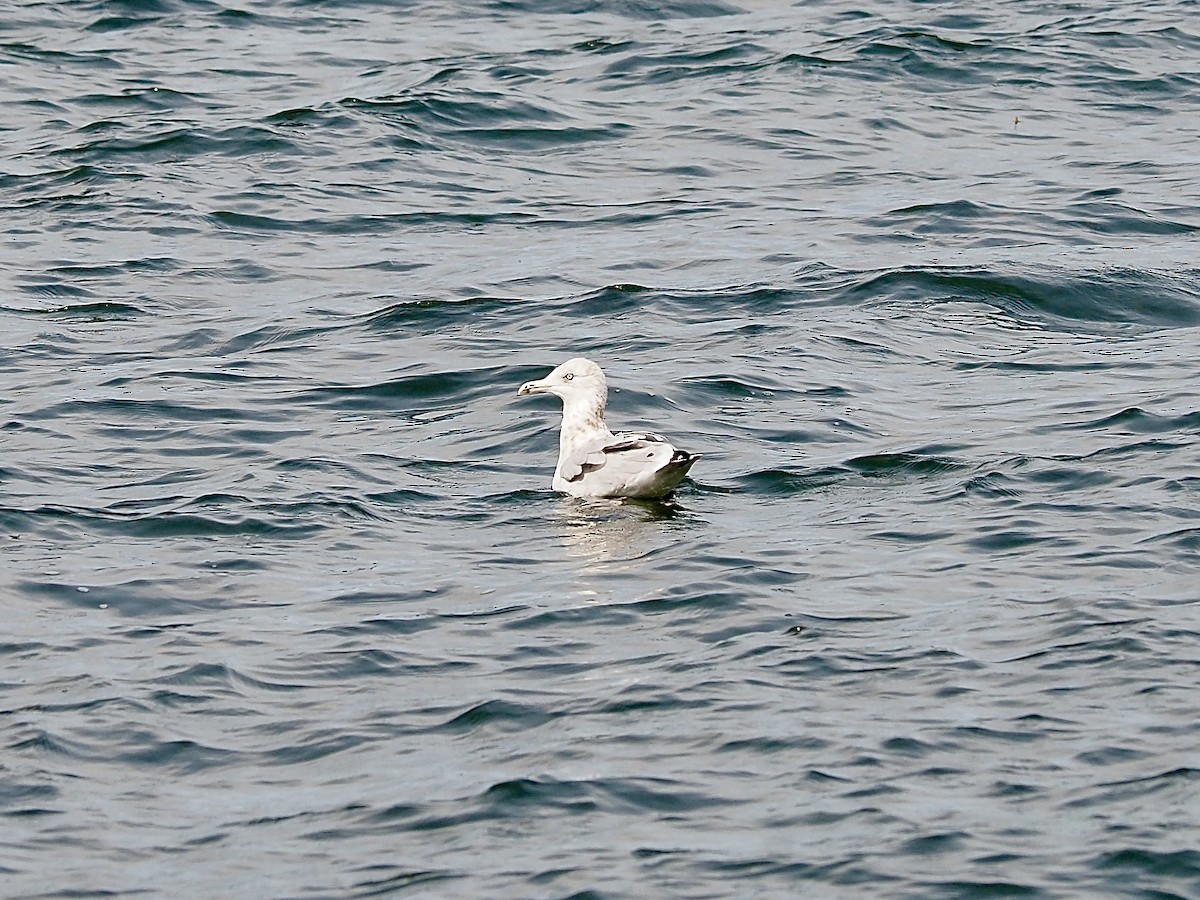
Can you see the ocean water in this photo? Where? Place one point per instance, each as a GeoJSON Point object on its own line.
{"type": "Point", "coordinates": [289, 608]}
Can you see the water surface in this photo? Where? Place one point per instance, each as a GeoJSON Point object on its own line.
{"type": "Point", "coordinates": [289, 607]}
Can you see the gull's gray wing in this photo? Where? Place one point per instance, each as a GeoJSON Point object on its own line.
{"type": "Point", "coordinates": [599, 454]}
{"type": "Point", "coordinates": [583, 459]}
{"type": "Point", "coordinates": [627, 465]}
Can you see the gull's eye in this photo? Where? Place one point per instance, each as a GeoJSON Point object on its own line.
{"type": "Point", "coordinates": [568, 376]}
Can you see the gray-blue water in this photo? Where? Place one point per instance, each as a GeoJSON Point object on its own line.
{"type": "Point", "coordinates": [289, 609]}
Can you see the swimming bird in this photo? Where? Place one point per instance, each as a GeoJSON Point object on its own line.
{"type": "Point", "coordinates": [594, 462]}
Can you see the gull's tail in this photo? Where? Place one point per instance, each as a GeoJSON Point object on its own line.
{"type": "Point", "coordinates": [681, 461]}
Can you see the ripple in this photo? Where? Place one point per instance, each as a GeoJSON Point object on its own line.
{"type": "Point", "coordinates": [1105, 298]}
{"type": "Point", "coordinates": [283, 578]}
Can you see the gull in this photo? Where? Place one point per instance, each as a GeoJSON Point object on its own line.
{"type": "Point", "coordinates": [594, 462]}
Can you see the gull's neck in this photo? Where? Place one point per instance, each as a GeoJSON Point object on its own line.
{"type": "Point", "coordinates": [583, 421]}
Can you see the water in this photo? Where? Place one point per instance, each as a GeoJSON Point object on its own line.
{"type": "Point", "coordinates": [289, 608]}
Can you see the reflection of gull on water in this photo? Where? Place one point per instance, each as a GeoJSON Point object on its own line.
{"type": "Point", "coordinates": [612, 532]}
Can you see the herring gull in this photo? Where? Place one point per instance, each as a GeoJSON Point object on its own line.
{"type": "Point", "coordinates": [594, 462]}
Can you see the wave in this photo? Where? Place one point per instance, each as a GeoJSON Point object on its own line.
{"type": "Point", "coordinates": [1053, 299]}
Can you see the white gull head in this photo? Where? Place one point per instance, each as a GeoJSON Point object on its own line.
{"type": "Point", "coordinates": [594, 462]}
{"type": "Point", "coordinates": [580, 383]}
